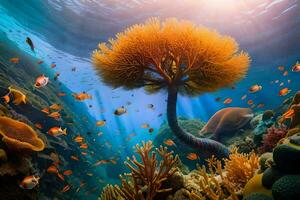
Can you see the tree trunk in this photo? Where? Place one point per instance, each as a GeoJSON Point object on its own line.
{"type": "Point", "coordinates": [202, 144]}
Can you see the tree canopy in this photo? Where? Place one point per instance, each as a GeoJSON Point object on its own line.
{"type": "Point", "coordinates": [157, 54]}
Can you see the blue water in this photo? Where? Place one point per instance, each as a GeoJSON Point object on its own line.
{"type": "Point", "coordinates": [67, 31]}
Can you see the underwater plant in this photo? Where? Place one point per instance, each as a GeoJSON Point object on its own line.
{"type": "Point", "coordinates": [145, 180]}
{"type": "Point", "coordinates": [272, 137]}
{"type": "Point", "coordinates": [177, 56]}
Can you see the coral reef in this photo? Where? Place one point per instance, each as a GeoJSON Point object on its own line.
{"type": "Point", "coordinates": [146, 178]}
{"type": "Point", "coordinates": [19, 136]}
{"type": "Point", "coordinates": [227, 120]}
{"type": "Point", "coordinates": [272, 137]}
{"type": "Point", "coordinates": [268, 115]}
{"type": "Point", "coordinates": [241, 167]}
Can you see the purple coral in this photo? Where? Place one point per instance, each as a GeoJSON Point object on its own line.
{"type": "Point", "coordinates": [272, 137]}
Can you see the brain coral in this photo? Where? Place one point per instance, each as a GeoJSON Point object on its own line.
{"type": "Point", "coordinates": [227, 120]}
{"type": "Point", "coordinates": [18, 135]}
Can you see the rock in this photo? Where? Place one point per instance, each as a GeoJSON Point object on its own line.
{"type": "Point", "coordinates": [287, 188]}
{"type": "Point", "coordinates": [265, 160]}
{"type": "Point", "coordinates": [270, 176]}
{"type": "Point", "coordinates": [287, 158]}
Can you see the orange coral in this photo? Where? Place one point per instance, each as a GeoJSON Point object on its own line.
{"type": "Point", "coordinates": [18, 135]}
{"type": "Point", "coordinates": [241, 167]}
{"type": "Point", "coordinates": [157, 54]}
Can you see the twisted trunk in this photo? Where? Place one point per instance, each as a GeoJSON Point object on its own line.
{"type": "Point", "coordinates": [202, 144]}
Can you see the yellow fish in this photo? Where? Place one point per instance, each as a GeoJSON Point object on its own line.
{"type": "Point", "coordinates": [101, 123]}
{"type": "Point", "coordinates": [55, 107]}
{"type": "Point", "coordinates": [16, 95]}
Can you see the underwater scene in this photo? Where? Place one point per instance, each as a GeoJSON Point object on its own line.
{"type": "Point", "coordinates": [150, 100]}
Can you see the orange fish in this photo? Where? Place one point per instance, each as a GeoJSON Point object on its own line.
{"type": "Point", "coordinates": [244, 97]}
{"type": "Point", "coordinates": [285, 73]}
{"type": "Point", "coordinates": [82, 96]}
{"type": "Point", "coordinates": [14, 60]}
{"type": "Point", "coordinates": [41, 81]}
{"type": "Point", "coordinates": [40, 62]}
{"type": "Point", "coordinates": [30, 182]}
{"type": "Point", "coordinates": [192, 156]}
{"type": "Point", "coordinates": [101, 123]}
{"type": "Point", "coordinates": [261, 105]}
{"type": "Point", "coordinates": [284, 92]}
{"type": "Point", "coordinates": [74, 158]}
{"type": "Point", "coordinates": [78, 139]}
{"type": "Point", "coordinates": [46, 110]}
{"type": "Point", "coordinates": [84, 153]}
{"type": "Point", "coordinates": [289, 114]}
{"type": "Point", "coordinates": [53, 65]}
{"type": "Point", "coordinates": [83, 146]}
{"type": "Point", "coordinates": [227, 101]}
{"type": "Point", "coordinates": [55, 115]}
{"type": "Point", "coordinates": [52, 169]}
{"type": "Point", "coordinates": [66, 188]}
{"type": "Point", "coordinates": [61, 94]}
{"type": "Point", "coordinates": [151, 130]}
{"type": "Point", "coordinates": [55, 107]}
{"type": "Point", "coordinates": [281, 68]}
{"type": "Point", "coordinates": [250, 102]}
{"type": "Point", "coordinates": [38, 125]}
{"type": "Point", "coordinates": [296, 67]}
{"type": "Point", "coordinates": [255, 88]}
{"type": "Point", "coordinates": [145, 125]}
{"type": "Point", "coordinates": [60, 176]}
{"type": "Point", "coordinates": [57, 131]}
{"type": "Point", "coordinates": [68, 172]}
{"type": "Point", "coordinates": [169, 142]}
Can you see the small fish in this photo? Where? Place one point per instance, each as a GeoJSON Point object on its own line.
{"type": "Point", "coordinates": [192, 156]}
{"type": "Point", "coordinates": [61, 94]}
{"type": "Point", "coordinates": [52, 169]}
{"type": "Point", "coordinates": [227, 101]}
{"type": "Point", "coordinates": [296, 67]}
{"type": "Point", "coordinates": [56, 75]}
{"type": "Point", "coordinates": [285, 73]}
{"type": "Point", "coordinates": [217, 99]}
{"type": "Point", "coordinates": [101, 123]}
{"type": "Point", "coordinates": [151, 130]}
{"type": "Point", "coordinates": [255, 88]}
{"type": "Point", "coordinates": [281, 84]}
{"type": "Point", "coordinates": [38, 125]}
{"type": "Point", "coordinates": [73, 69]}
{"type": "Point", "coordinates": [289, 114]}
{"type": "Point", "coordinates": [289, 81]}
{"type": "Point", "coordinates": [74, 158]}
{"type": "Point", "coordinates": [78, 139]}
{"type": "Point", "coordinates": [55, 115]}
{"type": "Point", "coordinates": [276, 81]}
{"type": "Point", "coordinates": [244, 97]}
{"type": "Point", "coordinates": [145, 125]}
{"type": "Point", "coordinates": [60, 176]}
{"type": "Point", "coordinates": [16, 96]}
{"type": "Point", "coordinates": [15, 60]}
{"type": "Point", "coordinates": [169, 142]}
{"type": "Point", "coordinates": [233, 87]}
{"type": "Point", "coordinates": [67, 172]}
{"type": "Point", "coordinates": [150, 106]}
{"type": "Point", "coordinates": [57, 131]}
{"type": "Point", "coordinates": [83, 153]}
{"type": "Point", "coordinates": [41, 81]}
{"type": "Point", "coordinates": [40, 62]}
{"type": "Point", "coordinates": [250, 102]}
{"type": "Point", "coordinates": [55, 107]}
{"type": "Point", "coordinates": [284, 92]}
{"type": "Point", "coordinates": [281, 68]}
{"type": "Point", "coordinates": [120, 111]}
{"type": "Point", "coordinates": [66, 188]}
{"type": "Point", "coordinates": [30, 182]}
{"type": "Point", "coordinates": [261, 105]}
{"type": "Point", "coordinates": [90, 174]}
{"type": "Point", "coordinates": [53, 65]}
{"type": "Point", "coordinates": [30, 43]}
{"type": "Point", "coordinates": [82, 96]}
{"type": "Point", "coordinates": [83, 146]}
{"type": "Point", "coordinates": [46, 110]}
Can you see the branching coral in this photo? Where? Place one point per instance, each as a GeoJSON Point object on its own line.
{"type": "Point", "coordinates": [240, 167]}
{"type": "Point", "coordinates": [147, 176]}
{"type": "Point", "coordinates": [214, 185]}
{"type": "Point", "coordinates": [111, 192]}
{"type": "Point", "coordinates": [272, 137]}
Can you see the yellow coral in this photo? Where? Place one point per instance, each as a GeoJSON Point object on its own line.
{"type": "Point", "coordinates": [18, 135]}
{"type": "Point", "coordinates": [241, 167]}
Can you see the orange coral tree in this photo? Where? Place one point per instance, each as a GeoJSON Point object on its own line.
{"type": "Point", "coordinates": [175, 55]}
